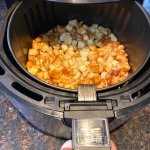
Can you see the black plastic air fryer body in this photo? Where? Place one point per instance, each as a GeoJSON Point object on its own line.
{"type": "Point", "coordinates": [51, 109]}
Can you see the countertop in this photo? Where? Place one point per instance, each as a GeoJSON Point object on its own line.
{"type": "Point", "coordinates": [17, 134]}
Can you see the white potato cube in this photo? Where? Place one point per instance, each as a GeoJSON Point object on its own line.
{"type": "Point", "coordinates": [62, 37]}
{"type": "Point", "coordinates": [74, 22]}
{"type": "Point", "coordinates": [81, 44]}
{"type": "Point", "coordinates": [113, 37]}
{"type": "Point", "coordinates": [94, 25]}
{"type": "Point", "coordinates": [85, 27]}
{"type": "Point", "coordinates": [92, 30]}
{"type": "Point", "coordinates": [98, 35]}
{"type": "Point", "coordinates": [103, 30]}
{"type": "Point", "coordinates": [69, 27]}
{"type": "Point", "coordinates": [89, 42]}
{"type": "Point", "coordinates": [85, 37]}
{"type": "Point", "coordinates": [74, 42]}
{"type": "Point", "coordinates": [68, 40]}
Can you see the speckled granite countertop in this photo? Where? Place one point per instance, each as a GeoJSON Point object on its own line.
{"type": "Point", "coordinates": [17, 134]}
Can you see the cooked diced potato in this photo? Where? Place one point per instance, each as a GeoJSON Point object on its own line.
{"type": "Point", "coordinates": [72, 61]}
{"type": "Point", "coordinates": [77, 76]}
{"type": "Point", "coordinates": [64, 46]}
{"type": "Point", "coordinates": [33, 70]}
{"type": "Point", "coordinates": [78, 54]}
{"type": "Point", "coordinates": [82, 68]}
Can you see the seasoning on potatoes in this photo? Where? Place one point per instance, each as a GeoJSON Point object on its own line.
{"type": "Point", "coordinates": [78, 54]}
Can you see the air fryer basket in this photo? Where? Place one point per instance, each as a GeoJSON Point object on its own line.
{"type": "Point", "coordinates": [126, 19]}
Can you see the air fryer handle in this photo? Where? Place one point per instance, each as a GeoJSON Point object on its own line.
{"type": "Point", "coordinates": [5, 21]}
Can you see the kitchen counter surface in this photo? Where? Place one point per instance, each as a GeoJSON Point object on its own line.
{"type": "Point", "coordinates": [17, 134]}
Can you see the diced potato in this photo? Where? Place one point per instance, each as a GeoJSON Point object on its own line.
{"type": "Point", "coordinates": [51, 67]}
{"type": "Point", "coordinates": [103, 74]}
{"type": "Point", "coordinates": [55, 52]}
{"type": "Point", "coordinates": [78, 59]}
{"type": "Point", "coordinates": [57, 46]}
{"type": "Point", "coordinates": [72, 61]}
{"type": "Point", "coordinates": [66, 64]}
{"type": "Point", "coordinates": [33, 70]}
{"type": "Point", "coordinates": [81, 44]}
{"type": "Point", "coordinates": [57, 63]}
{"type": "Point", "coordinates": [49, 51]}
{"type": "Point", "coordinates": [74, 22]}
{"type": "Point", "coordinates": [44, 47]}
{"type": "Point", "coordinates": [85, 37]}
{"type": "Point", "coordinates": [45, 63]}
{"type": "Point", "coordinates": [31, 57]}
{"type": "Point", "coordinates": [80, 30]}
{"type": "Point", "coordinates": [74, 42]}
{"type": "Point", "coordinates": [91, 29]}
{"type": "Point", "coordinates": [89, 42]}
{"type": "Point", "coordinates": [77, 76]}
{"type": "Point", "coordinates": [93, 55]}
{"type": "Point", "coordinates": [94, 68]}
{"type": "Point", "coordinates": [68, 40]}
{"type": "Point", "coordinates": [98, 35]}
{"type": "Point", "coordinates": [85, 27]}
{"type": "Point", "coordinates": [99, 60]}
{"type": "Point", "coordinates": [92, 47]}
{"type": "Point", "coordinates": [70, 52]}
{"type": "Point", "coordinates": [82, 68]}
{"type": "Point", "coordinates": [96, 79]}
{"type": "Point", "coordinates": [36, 44]}
{"type": "Point", "coordinates": [113, 37]}
{"type": "Point", "coordinates": [69, 27]}
{"type": "Point", "coordinates": [60, 29]}
{"type": "Point", "coordinates": [91, 75]}
{"type": "Point", "coordinates": [64, 46]}
{"type": "Point", "coordinates": [102, 30]}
